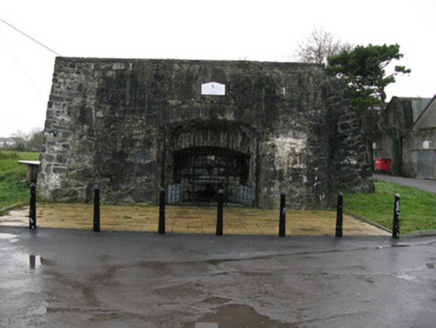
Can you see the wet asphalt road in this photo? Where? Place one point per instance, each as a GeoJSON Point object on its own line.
{"type": "Point", "coordinates": [73, 278]}
{"type": "Point", "coordinates": [424, 184]}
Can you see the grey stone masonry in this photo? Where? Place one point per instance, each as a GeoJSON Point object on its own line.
{"type": "Point", "coordinates": [133, 126]}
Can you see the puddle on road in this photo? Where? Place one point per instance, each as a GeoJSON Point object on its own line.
{"type": "Point", "coordinates": [36, 261]}
{"type": "Point", "coordinates": [9, 236]}
{"type": "Point", "coordinates": [238, 316]}
{"type": "Point", "coordinates": [33, 261]}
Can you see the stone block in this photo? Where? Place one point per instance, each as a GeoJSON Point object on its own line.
{"type": "Point", "coordinates": [125, 123]}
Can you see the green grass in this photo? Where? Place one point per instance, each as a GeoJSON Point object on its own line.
{"type": "Point", "coordinates": [417, 207]}
{"type": "Point", "coordinates": [14, 188]}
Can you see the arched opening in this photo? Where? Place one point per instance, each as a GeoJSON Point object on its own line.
{"type": "Point", "coordinates": [202, 171]}
{"type": "Point", "coordinates": [203, 157]}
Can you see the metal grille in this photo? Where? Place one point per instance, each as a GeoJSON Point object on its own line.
{"type": "Point", "coordinates": [203, 171]}
{"type": "Point", "coordinates": [199, 159]}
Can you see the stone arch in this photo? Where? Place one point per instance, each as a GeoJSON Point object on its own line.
{"type": "Point", "coordinates": [202, 157]}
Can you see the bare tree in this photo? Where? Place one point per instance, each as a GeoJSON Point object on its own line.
{"type": "Point", "coordinates": [21, 140]}
{"type": "Point", "coordinates": [319, 46]}
{"type": "Point", "coordinates": [35, 140]}
{"type": "Point", "coordinates": [28, 142]}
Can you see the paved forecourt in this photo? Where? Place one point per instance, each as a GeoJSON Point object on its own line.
{"type": "Point", "coordinates": [184, 219]}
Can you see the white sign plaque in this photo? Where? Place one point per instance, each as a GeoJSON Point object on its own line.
{"type": "Point", "coordinates": [426, 144]}
{"type": "Point", "coordinates": [213, 89]}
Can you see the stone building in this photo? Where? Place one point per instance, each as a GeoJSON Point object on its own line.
{"type": "Point", "coordinates": [397, 142]}
{"type": "Point", "coordinates": [419, 145]}
{"type": "Point", "coordinates": [252, 129]}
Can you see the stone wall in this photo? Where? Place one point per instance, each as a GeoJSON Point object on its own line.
{"type": "Point", "coordinates": [413, 144]}
{"type": "Point", "coordinates": [120, 123]}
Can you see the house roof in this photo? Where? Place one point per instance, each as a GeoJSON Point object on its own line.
{"type": "Point", "coordinates": [427, 118]}
{"type": "Point", "coordinates": [402, 112]}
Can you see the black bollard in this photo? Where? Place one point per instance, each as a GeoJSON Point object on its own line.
{"type": "Point", "coordinates": [32, 210]}
{"type": "Point", "coordinates": [339, 215]}
{"type": "Point", "coordinates": [96, 226]}
{"type": "Point", "coordinates": [161, 228]}
{"type": "Point", "coordinates": [282, 217]}
{"type": "Point", "coordinates": [219, 220]}
{"type": "Point", "coordinates": [396, 225]}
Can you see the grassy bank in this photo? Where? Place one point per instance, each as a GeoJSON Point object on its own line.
{"type": "Point", "coordinates": [417, 207]}
{"type": "Point", "coordinates": [14, 188]}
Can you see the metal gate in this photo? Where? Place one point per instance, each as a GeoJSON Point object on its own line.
{"type": "Point", "coordinates": [203, 171]}
{"type": "Point", "coordinates": [425, 164]}
{"type": "Point", "coordinates": [203, 158]}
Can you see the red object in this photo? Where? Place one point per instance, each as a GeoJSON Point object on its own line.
{"type": "Point", "coordinates": [383, 164]}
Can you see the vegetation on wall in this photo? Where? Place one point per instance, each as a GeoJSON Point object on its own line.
{"type": "Point", "coordinates": [364, 69]}
{"type": "Point", "coordinates": [397, 152]}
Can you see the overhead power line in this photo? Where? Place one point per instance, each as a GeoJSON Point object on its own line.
{"type": "Point", "coordinates": [29, 37]}
{"type": "Point", "coordinates": [22, 69]}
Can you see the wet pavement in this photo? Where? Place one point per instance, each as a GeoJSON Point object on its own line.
{"type": "Point", "coordinates": [78, 278]}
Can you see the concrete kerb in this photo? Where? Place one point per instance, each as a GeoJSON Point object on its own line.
{"type": "Point", "coordinates": [364, 219]}
{"type": "Point", "coordinates": [7, 209]}
{"type": "Point", "coordinates": [423, 233]}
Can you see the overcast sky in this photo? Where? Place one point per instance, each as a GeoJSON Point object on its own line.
{"type": "Point", "coordinates": [187, 29]}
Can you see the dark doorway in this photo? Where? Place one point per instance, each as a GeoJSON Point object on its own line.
{"type": "Point", "coordinates": [202, 171]}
